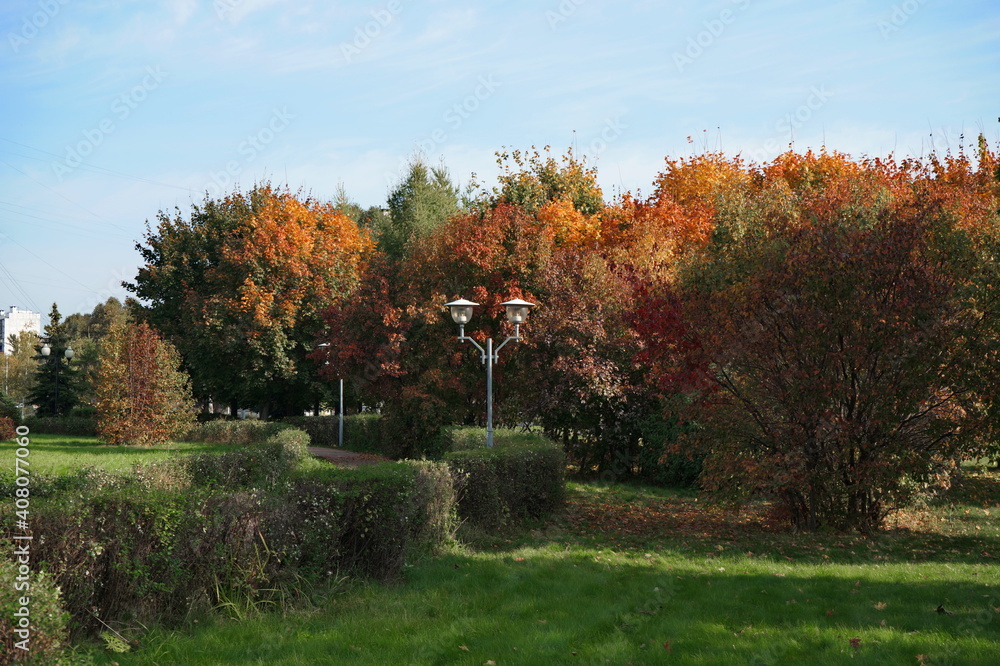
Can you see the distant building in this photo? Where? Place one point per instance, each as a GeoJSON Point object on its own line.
{"type": "Point", "coordinates": [16, 321]}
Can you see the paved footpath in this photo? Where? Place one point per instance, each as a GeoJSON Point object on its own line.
{"type": "Point", "coordinates": [342, 458]}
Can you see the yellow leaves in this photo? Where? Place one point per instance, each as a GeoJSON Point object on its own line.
{"type": "Point", "coordinates": [700, 179]}
{"type": "Point", "coordinates": [568, 225]}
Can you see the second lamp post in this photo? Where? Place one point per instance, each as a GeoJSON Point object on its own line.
{"type": "Point", "coordinates": [517, 313]}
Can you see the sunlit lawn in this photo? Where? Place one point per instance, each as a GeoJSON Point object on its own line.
{"type": "Point", "coordinates": [642, 576]}
{"type": "Point", "coordinates": [57, 455]}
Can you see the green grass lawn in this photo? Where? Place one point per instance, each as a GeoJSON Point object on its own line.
{"type": "Point", "coordinates": [633, 575]}
{"type": "Point", "coordinates": [56, 455]}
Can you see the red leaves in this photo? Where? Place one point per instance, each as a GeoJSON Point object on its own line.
{"type": "Point", "coordinates": [832, 307]}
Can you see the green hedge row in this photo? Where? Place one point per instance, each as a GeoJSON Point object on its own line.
{"type": "Point", "coordinates": [247, 431]}
{"type": "Point", "coordinates": [519, 478]}
{"type": "Point", "coordinates": [195, 533]}
{"type": "Point", "coordinates": [62, 425]}
{"type": "Point", "coordinates": [159, 545]}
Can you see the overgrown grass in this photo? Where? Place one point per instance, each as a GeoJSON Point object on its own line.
{"type": "Point", "coordinates": [57, 455]}
{"type": "Point", "coordinates": [629, 574]}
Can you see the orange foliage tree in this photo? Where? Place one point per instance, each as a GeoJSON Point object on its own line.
{"type": "Point", "coordinates": [142, 395]}
{"type": "Point", "coordinates": [835, 336]}
{"type": "Point", "coordinates": [239, 288]}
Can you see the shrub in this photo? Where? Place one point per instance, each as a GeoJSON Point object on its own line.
{"type": "Point", "coordinates": [9, 408]}
{"type": "Point", "coordinates": [514, 480]}
{"type": "Point", "coordinates": [48, 619]}
{"type": "Point", "coordinates": [237, 530]}
{"type": "Point", "coordinates": [246, 431]}
{"type": "Point", "coordinates": [7, 429]}
{"type": "Point", "coordinates": [435, 498]}
{"type": "Point", "coordinates": [412, 428]}
{"type": "Point", "coordinates": [62, 425]}
{"type": "Point", "coordinates": [259, 464]}
{"type": "Point", "coordinates": [83, 411]}
{"type": "Point", "coordinates": [655, 463]}
{"type": "Point", "coordinates": [366, 520]}
{"type": "Point", "coordinates": [111, 547]}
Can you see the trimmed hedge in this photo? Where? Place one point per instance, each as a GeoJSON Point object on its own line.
{"type": "Point", "coordinates": [515, 480]}
{"type": "Point", "coordinates": [179, 535]}
{"type": "Point", "coordinates": [248, 431]}
{"type": "Point", "coordinates": [259, 465]}
{"type": "Point", "coordinates": [62, 425]}
{"type": "Point", "coordinates": [367, 519]}
{"type": "Point", "coordinates": [255, 522]}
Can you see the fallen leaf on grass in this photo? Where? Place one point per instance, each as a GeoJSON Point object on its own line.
{"type": "Point", "coordinates": [464, 647]}
{"type": "Point", "coordinates": [880, 605]}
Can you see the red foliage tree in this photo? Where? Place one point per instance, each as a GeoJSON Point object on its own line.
{"type": "Point", "coordinates": [827, 330]}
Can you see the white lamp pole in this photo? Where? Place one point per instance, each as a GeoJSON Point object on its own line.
{"type": "Point", "coordinates": [517, 314]}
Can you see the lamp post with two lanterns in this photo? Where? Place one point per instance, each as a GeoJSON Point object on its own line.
{"type": "Point", "coordinates": [45, 351]}
{"type": "Point", "coordinates": [517, 314]}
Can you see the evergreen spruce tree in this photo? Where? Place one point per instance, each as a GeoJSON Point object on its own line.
{"type": "Point", "coordinates": [56, 386]}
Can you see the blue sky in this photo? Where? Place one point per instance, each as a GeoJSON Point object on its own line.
{"type": "Point", "coordinates": [115, 110]}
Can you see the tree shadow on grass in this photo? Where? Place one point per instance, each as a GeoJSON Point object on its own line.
{"type": "Point", "coordinates": [554, 607]}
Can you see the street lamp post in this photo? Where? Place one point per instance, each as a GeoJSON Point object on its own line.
{"type": "Point", "coordinates": [517, 314]}
{"type": "Point", "coordinates": [69, 356]}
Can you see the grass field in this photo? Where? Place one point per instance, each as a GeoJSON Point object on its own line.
{"type": "Point", "coordinates": [55, 455]}
{"type": "Point", "coordinates": [634, 575]}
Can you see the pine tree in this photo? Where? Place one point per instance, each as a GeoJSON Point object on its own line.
{"type": "Point", "coordinates": [142, 396]}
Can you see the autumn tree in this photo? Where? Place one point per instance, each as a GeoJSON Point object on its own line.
{"type": "Point", "coordinates": [239, 287]}
{"type": "Point", "coordinates": [85, 331]}
{"type": "Point", "coordinates": [142, 395]}
{"type": "Point", "coordinates": [20, 366]}
{"type": "Point", "coordinates": [835, 338]}
{"type": "Point", "coordinates": [538, 237]}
